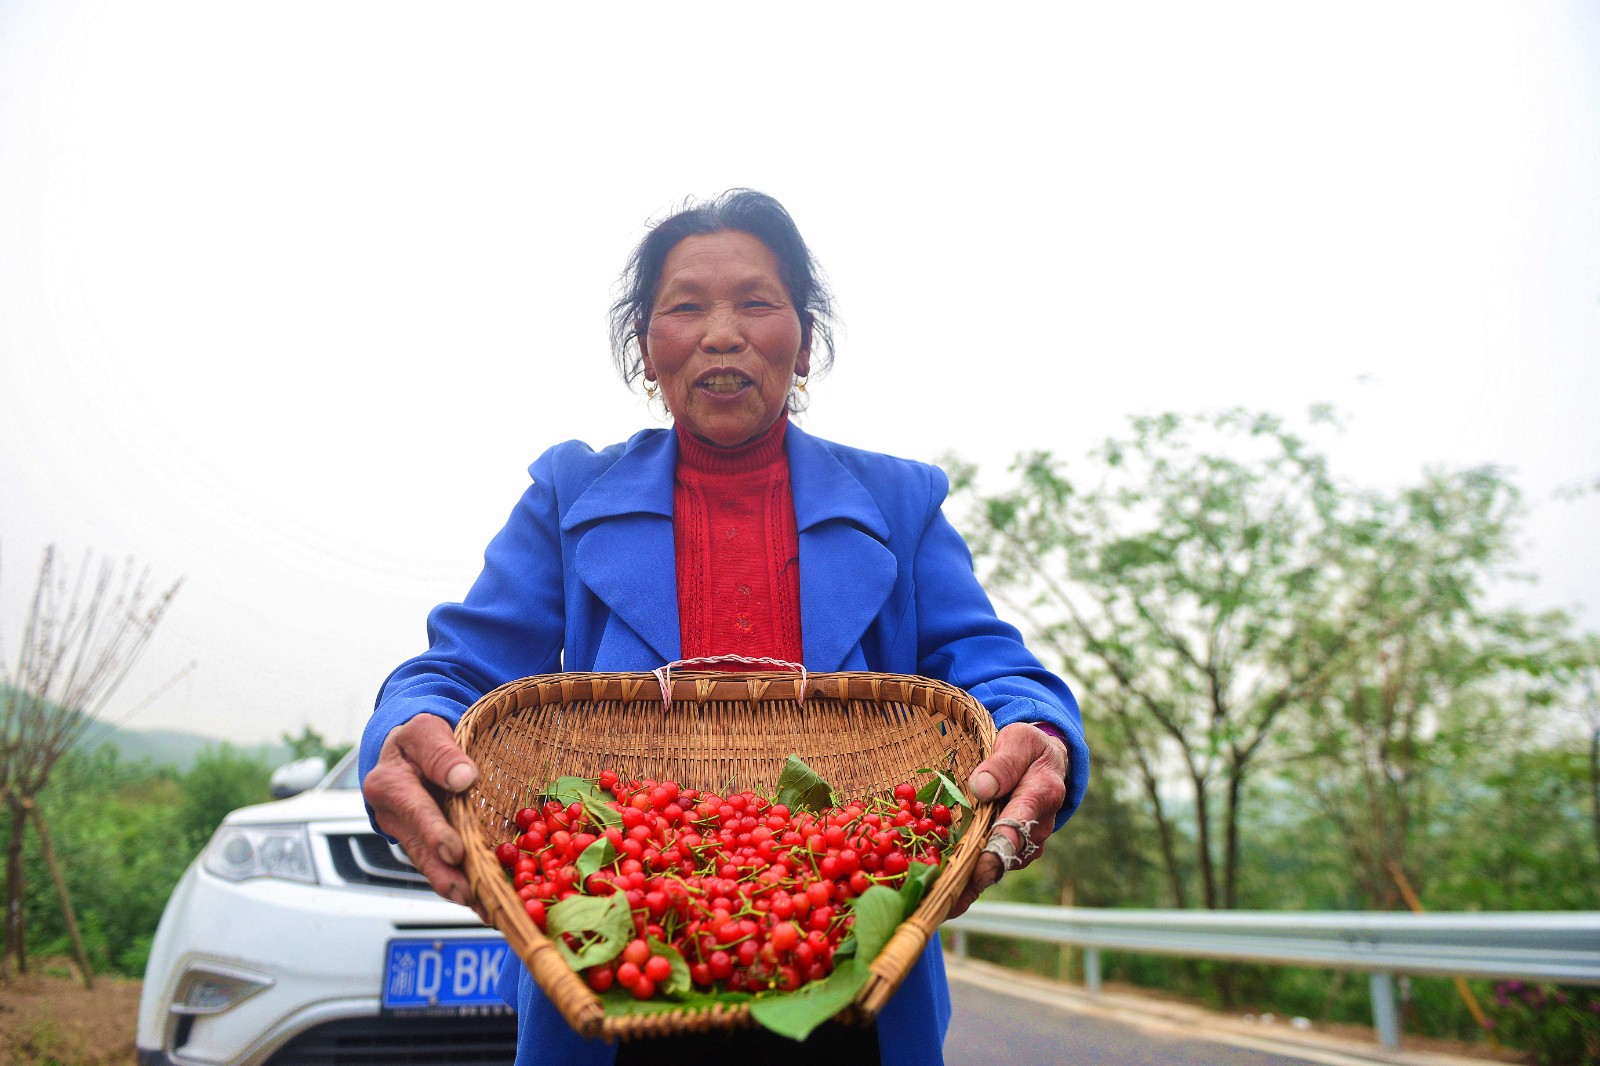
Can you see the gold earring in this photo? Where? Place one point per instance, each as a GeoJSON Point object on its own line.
{"type": "Point", "coordinates": [650, 390]}
{"type": "Point", "coordinates": [800, 382]}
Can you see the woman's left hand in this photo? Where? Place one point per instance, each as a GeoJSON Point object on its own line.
{"type": "Point", "coordinates": [1028, 773]}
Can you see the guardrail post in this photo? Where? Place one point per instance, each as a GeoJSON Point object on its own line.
{"type": "Point", "coordinates": [1091, 969]}
{"type": "Point", "coordinates": [959, 943]}
{"type": "Point", "coordinates": [1385, 1018]}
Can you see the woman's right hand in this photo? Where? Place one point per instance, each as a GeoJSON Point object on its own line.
{"type": "Point", "coordinates": [418, 763]}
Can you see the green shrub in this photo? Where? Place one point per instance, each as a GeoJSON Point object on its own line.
{"type": "Point", "coordinates": [1560, 1026]}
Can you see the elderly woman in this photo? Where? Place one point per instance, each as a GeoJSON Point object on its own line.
{"type": "Point", "coordinates": [731, 533]}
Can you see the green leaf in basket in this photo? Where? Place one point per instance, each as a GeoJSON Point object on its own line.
{"type": "Point", "coordinates": [883, 920]}
{"type": "Point", "coordinates": [800, 788]}
{"type": "Point", "coordinates": [678, 985]}
{"type": "Point", "coordinates": [879, 911]}
{"type": "Point", "coordinates": [565, 790]}
{"type": "Point", "coordinates": [596, 856]}
{"type": "Point", "coordinates": [601, 925]}
{"type": "Point", "coordinates": [603, 813]}
{"type": "Point", "coordinates": [941, 790]}
{"type": "Point", "coordinates": [796, 1014]}
{"type": "Point", "coordinates": [919, 878]}
{"type": "Point", "coordinates": [587, 791]}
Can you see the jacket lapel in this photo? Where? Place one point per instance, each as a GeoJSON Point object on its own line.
{"type": "Point", "coordinates": [846, 569]}
{"type": "Point", "coordinates": [624, 551]}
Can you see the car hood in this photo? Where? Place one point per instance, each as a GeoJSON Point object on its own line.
{"type": "Point", "coordinates": [316, 805]}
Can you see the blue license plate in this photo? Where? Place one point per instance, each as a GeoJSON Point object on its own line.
{"type": "Point", "coordinates": [432, 974]}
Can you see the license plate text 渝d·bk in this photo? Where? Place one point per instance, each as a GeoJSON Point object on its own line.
{"type": "Point", "coordinates": [435, 975]}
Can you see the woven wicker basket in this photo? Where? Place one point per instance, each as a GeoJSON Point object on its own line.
{"type": "Point", "coordinates": [863, 732]}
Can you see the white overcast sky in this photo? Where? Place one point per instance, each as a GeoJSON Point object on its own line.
{"type": "Point", "coordinates": [292, 293]}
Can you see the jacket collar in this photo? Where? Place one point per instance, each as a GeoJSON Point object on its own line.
{"type": "Point", "coordinates": [626, 556]}
{"type": "Point", "coordinates": [640, 482]}
{"type": "Point", "coordinates": [824, 491]}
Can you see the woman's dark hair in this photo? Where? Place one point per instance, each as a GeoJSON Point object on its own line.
{"type": "Point", "coordinates": [744, 211]}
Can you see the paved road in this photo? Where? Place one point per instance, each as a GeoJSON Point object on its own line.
{"type": "Point", "coordinates": [991, 1028]}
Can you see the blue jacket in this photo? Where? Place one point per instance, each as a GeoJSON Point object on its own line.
{"type": "Point", "coordinates": [583, 577]}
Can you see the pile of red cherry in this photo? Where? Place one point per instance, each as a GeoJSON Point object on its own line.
{"type": "Point", "coordinates": [750, 895]}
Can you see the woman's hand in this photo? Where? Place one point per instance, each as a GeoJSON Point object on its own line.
{"type": "Point", "coordinates": [418, 763]}
{"type": "Point", "coordinates": [1028, 770]}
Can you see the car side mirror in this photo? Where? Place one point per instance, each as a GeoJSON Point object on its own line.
{"type": "Point", "coordinates": [294, 778]}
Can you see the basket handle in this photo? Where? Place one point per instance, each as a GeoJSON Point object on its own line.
{"type": "Point", "coordinates": [664, 673]}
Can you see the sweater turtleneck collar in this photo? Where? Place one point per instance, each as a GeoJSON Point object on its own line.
{"type": "Point", "coordinates": [745, 458]}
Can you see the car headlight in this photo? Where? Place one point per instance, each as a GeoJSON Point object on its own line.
{"type": "Point", "coordinates": [240, 852]}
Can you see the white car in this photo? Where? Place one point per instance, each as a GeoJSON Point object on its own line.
{"type": "Point", "coordinates": [299, 935]}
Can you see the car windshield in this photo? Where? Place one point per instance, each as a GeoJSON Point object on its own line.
{"type": "Point", "coordinates": [345, 774]}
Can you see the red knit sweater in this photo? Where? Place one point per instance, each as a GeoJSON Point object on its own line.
{"type": "Point", "coordinates": [738, 551]}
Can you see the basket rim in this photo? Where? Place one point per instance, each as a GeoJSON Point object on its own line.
{"type": "Point", "coordinates": [690, 691]}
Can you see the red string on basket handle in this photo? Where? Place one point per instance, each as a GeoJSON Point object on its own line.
{"type": "Point", "coordinates": [664, 673]}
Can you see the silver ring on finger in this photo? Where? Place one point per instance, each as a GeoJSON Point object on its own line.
{"type": "Point", "coordinates": [999, 845]}
{"type": "Point", "coordinates": [1024, 833]}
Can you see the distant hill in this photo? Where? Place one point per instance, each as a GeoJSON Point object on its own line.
{"type": "Point", "coordinates": [168, 747]}
{"type": "Point", "coordinates": [163, 747]}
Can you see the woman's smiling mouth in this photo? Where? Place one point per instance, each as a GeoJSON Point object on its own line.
{"type": "Point", "coordinates": [724, 383]}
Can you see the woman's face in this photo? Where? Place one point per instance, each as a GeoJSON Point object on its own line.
{"type": "Point", "coordinates": [724, 340]}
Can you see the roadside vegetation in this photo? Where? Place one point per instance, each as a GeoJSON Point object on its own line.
{"type": "Point", "coordinates": [124, 832]}
{"type": "Point", "coordinates": [1301, 694]}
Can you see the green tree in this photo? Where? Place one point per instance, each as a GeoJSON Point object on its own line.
{"type": "Point", "coordinates": [1580, 668]}
{"type": "Point", "coordinates": [1229, 610]}
{"type": "Point", "coordinates": [81, 636]}
{"type": "Point", "coordinates": [1523, 837]}
{"type": "Point", "coordinates": [1169, 585]}
{"type": "Point", "coordinates": [116, 824]}
{"type": "Point", "coordinates": [1306, 684]}
{"type": "Point", "coordinates": [221, 780]}
{"type": "Point", "coordinates": [310, 744]}
{"type": "Point", "coordinates": [124, 833]}
{"type": "Point", "coordinates": [1430, 688]}
{"type": "Point", "coordinates": [1518, 838]}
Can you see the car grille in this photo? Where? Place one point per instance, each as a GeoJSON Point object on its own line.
{"type": "Point", "coordinates": [422, 1041]}
{"type": "Point", "coordinates": [365, 859]}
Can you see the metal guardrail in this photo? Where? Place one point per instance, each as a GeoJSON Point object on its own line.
{"type": "Point", "coordinates": [1557, 946]}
